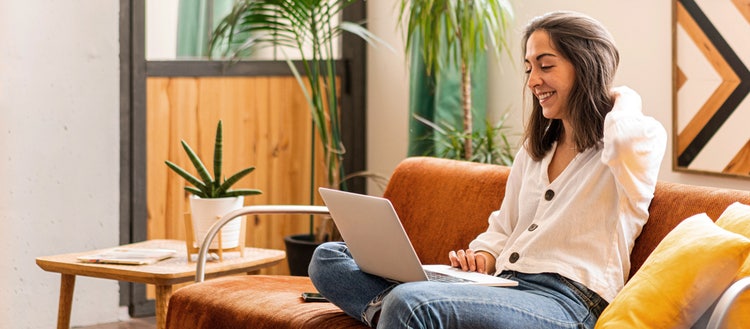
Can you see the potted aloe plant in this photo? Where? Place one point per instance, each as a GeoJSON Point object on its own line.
{"type": "Point", "coordinates": [212, 196]}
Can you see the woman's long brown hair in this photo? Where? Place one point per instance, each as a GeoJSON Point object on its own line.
{"type": "Point", "coordinates": [592, 51]}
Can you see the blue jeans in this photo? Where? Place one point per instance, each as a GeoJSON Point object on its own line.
{"type": "Point", "coordinates": [544, 300]}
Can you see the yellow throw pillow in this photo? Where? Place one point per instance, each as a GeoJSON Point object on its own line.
{"type": "Point", "coordinates": [682, 277]}
{"type": "Point", "coordinates": [736, 218]}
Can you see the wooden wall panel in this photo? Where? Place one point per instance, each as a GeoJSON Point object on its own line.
{"type": "Point", "coordinates": [266, 124]}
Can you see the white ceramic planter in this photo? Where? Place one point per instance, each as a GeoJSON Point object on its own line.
{"type": "Point", "coordinates": [206, 212]}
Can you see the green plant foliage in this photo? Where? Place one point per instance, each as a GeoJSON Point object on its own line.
{"type": "Point", "coordinates": [310, 26]}
{"type": "Point", "coordinates": [491, 146]}
{"type": "Point", "coordinates": [472, 25]}
{"type": "Point", "coordinates": [464, 29]}
{"type": "Point", "coordinates": [208, 186]}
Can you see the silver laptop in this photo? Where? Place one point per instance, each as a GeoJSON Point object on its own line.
{"type": "Point", "coordinates": [380, 246]}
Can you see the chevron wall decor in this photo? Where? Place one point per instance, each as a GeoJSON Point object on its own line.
{"type": "Point", "coordinates": [711, 86]}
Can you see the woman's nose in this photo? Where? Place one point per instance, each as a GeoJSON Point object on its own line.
{"type": "Point", "coordinates": [534, 79]}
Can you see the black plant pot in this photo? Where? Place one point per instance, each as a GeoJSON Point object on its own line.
{"type": "Point", "coordinates": [299, 250]}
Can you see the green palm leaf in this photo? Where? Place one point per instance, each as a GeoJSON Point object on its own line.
{"type": "Point", "coordinates": [474, 26]}
{"type": "Point", "coordinates": [311, 27]}
{"type": "Point", "coordinates": [460, 28]}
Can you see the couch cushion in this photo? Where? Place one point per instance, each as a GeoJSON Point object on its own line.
{"type": "Point", "coordinates": [684, 275]}
{"type": "Point", "coordinates": [434, 197]}
{"type": "Point", "coordinates": [674, 202]}
{"type": "Point", "coordinates": [736, 218]}
{"type": "Point", "coordinates": [253, 301]}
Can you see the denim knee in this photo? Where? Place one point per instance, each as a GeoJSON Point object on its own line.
{"type": "Point", "coordinates": [322, 253]}
{"type": "Point", "coordinates": [410, 306]}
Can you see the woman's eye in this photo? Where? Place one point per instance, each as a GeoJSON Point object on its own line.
{"type": "Point", "coordinates": [541, 67]}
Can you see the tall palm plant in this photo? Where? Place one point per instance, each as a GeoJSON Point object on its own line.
{"type": "Point", "coordinates": [311, 27]}
{"type": "Point", "coordinates": [466, 28]}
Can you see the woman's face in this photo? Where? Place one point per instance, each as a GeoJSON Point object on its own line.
{"type": "Point", "coordinates": [550, 75]}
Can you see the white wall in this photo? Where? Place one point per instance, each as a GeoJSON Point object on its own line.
{"type": "Point", "coordinates": [642, 30]}
{"type": "Point", "coordinates": [59, 153]}
{"type": "Point", "coordinates": [387, 91]}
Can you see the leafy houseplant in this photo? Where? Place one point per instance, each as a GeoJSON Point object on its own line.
{"type": "Point", "coordinates": [490, 146]}
{"type": "Point", "coordinates": [465, 28]}
{"type": "Point", "coordinates": [311, 27]}
{"type": "Point", "coordinates": [212, 195]}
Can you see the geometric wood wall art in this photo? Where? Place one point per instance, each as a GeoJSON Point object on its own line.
{"type": "Point", "coordinates": [711, 115]}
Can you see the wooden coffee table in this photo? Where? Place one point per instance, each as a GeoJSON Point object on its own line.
{"type": "Point", "coordinates": [163, 274]}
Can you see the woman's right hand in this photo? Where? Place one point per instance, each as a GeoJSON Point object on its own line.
{"type": "Point", "coordinates": [471, 261]}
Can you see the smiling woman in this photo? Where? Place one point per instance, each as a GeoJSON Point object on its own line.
{"type": "Point", "coordinates": [581, 180]}
{"type": "Point", "coordinates": [578, 61]}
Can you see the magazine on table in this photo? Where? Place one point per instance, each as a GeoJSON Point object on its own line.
{"type": "Point", "coordinates": [128, 256]}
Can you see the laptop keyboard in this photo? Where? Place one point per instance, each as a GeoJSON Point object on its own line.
{"type": "Point", "coordinates": [440, 277]}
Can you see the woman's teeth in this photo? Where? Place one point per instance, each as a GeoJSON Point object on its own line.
{"type": "Point", "coordinates": [544, 96]}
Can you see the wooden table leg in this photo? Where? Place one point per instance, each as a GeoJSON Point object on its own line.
{"type": "Point", "coordinates": [162, 302]}
{"type": "Point", "coordinates": [67, 285]}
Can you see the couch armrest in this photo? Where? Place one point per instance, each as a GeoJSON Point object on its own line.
{"type": "Point", "coordinates": [275, 209]}
{"type": "Point", "coordinates": [725, 302]}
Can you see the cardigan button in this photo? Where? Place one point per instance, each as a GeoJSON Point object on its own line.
{"type": "Point", "coordinates": [549, 195]}
{"type": "Point", "coordinates": [514, 257]}
{"type": "Point", "coordinates": [533, 227]}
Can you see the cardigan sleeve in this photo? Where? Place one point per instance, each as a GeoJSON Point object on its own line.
{"type": "Point", "coordinates": [634, 146]}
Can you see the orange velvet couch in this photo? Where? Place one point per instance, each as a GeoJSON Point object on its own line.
{"type": "Point", "coordinates": [443, 205]}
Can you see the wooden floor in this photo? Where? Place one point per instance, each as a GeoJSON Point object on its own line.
{"type": "Point", "coordinates": [126, 322]}
{"type": "Point", "coordinates": [145, 323]}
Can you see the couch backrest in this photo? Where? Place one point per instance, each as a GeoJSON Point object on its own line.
{"type": "Point", "coordinates": [674, 202]}
{"type": "Point", "coordinates": [443, 204]}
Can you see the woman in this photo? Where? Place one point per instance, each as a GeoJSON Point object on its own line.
{"type": "Point", "coordinates": [576, 199]}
